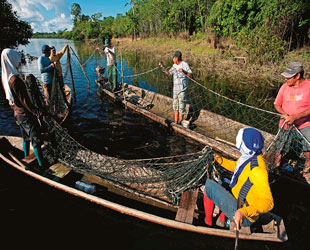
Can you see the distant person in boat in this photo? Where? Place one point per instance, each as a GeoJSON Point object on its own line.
{"type": "Point", "coordinates": [55, 57]}
{"type": "Point", "coordinates": [24, 111]}
{"type": "Point", "coordinates": [249, 183]}
{"type": "Point", "coordinates": [46, 68]}
{"type": "Point", "coordinates": [293, 103]}
{"type": "Point", "coordinates": [110, 52]}
{"type": "Point", "coordinates": [180, 71]}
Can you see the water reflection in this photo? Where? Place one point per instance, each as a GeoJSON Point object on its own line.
{"type": "Point", "coordinates": [95, 121]}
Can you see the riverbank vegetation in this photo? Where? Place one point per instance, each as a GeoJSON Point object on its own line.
{"type": "Point", "coordinates": [251, 41]}
{"type": "Point", "coordinates": [264, 31]}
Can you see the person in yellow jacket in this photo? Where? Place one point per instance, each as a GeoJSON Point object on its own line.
{"type": "Point", "coordinates": [249, 182]}
{"type": "Point", "coordinates": [55, 57]}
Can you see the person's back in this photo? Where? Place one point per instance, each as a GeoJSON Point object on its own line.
{"type": "Point", "coordinates": [46, 68]}
{"type": "Point", "coordinates": [44, 64]}
{"type": "Point", "coordinates": [22, 105]}
{"type": "Point", "coordinates": [249, 182]}
{"type": "Point", "coordinates": [24, 111]}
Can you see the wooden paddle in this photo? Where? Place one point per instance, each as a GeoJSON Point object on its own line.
{"type": "Point", "coordinates": [237, 231]}
{"type": "Point", "coordinates": [17, 161]}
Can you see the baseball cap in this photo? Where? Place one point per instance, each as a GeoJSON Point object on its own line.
{"type": "Point", "coordinates": [52, 47]}
{"type": "Point", "coordinates": [45, 48]}
{"type": "Point", "coordinates": [177, 54]}
{"type": "Point", "coordinates": [107, 42]}
{"type": "Point", "coordinates": [292, 69]}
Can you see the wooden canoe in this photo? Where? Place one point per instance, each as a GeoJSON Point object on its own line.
{"type": "Point", "coordinates": [154, 106]}
{"type": "Point", "coordinates": [184, 214]}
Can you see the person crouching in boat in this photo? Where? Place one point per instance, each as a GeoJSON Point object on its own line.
{"type": "Point", "coordinates": [249, 183]}
{"type": "Point", "coordinates": [24, 111]}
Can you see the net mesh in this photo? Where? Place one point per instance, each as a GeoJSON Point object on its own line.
{"type": "Point", "coordinates": [164, 178]}
{"type": "Point", "coordinates": [219, 119]}
{"type": "Point", "coordinates": [213, 120]}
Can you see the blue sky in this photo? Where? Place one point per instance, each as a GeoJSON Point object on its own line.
{"type": "Point", "coordinates": [54, 15]}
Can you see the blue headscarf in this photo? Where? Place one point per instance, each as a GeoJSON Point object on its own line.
{"type": "Point", "coordinates": [252, 139]}
{"type": "Point", "coordinates": [250, 142]}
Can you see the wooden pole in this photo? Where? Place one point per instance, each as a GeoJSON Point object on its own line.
{"type": "Point", "coordinates": [81, 67]}
{"type": "Point", "coordinates": [237, 230]}
{"type": "Point", "coordinates": [71, 73]}
{"type": "Point", "coordinates": [122, 75]}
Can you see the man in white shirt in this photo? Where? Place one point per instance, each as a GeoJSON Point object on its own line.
{"type": "Point", "coordinates": [110, 52]}
{"type": "Point", "coordinates": [180, 71]}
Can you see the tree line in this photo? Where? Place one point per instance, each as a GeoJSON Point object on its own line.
{"type": "Point", "coordinates": [264, 29]}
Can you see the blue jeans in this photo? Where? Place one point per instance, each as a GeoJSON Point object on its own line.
{"type": "Point", "coordinates": [224, 200]}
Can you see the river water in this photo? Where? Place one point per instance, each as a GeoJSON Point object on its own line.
{"type": "Point", "coordinates": [33, 214]}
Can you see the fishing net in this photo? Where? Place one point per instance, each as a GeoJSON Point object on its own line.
{"type": "Point", "coordinates": [212, 119]}
{"type": "Point", "coordinates": [164, 178]}
{"type": "Point", "coordinates": [58, 102]}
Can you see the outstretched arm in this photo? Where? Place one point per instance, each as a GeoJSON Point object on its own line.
{"type": "Point", "coordinates": [225, 163]}
{"type": "Point", "coordinates": [62, 52]}
{"type": "Point", "coordinates": [163, 68]}
{"type": "Point", "coordinates": [100, 51]}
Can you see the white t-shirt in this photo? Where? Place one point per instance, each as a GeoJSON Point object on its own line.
{"type": "Point", "coordinates": [180, 80]}
{"type": "Point", "coordinates": [111, 55]}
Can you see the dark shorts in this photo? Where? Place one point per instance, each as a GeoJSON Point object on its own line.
{"type": "Point", "coordinates": [30, 130]}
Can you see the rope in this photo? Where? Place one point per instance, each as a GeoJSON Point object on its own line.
{"type": "Point", "coordinates": [149, 71]}
{"type": "Point", "coordinates": [90, 57]}
{"type": "Point", "coordinates": [231, 100]}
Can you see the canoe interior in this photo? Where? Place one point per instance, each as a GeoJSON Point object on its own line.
{"type": "Point", "coordinates": [207, 128]}
{"type": "Point", "coordinates": [125, 202]}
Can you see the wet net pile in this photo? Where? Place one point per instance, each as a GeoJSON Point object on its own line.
{"type": "Point", "coordinates": [162, 178]}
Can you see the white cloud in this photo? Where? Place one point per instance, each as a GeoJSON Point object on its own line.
{"type": "Point", "coordinates": [44, 15]}
{"type": "Point", "coordinates": [27, 10]}
{"type": "Point", "coordinates": [59, 23]}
